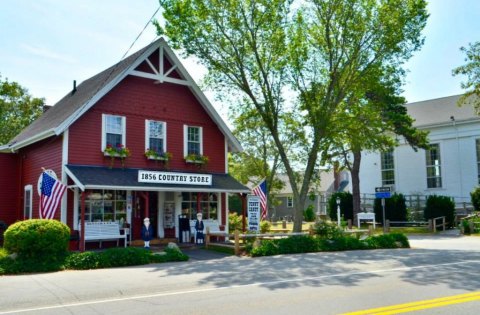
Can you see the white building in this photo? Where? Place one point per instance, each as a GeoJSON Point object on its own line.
{"type": "Point", "coordinates": [450, 168]}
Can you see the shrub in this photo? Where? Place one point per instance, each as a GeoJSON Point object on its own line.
{"type": "Point", "coordinates": [395, 208]}
{"type": "Point", "coordinates": [393, 240]}
{"type": "Point", "coordinates": [83, 261]}
{"type": "Point", "coordinates": [346, 205]}
{"type": "Point", "coordinates": [41, 245]}
{"type": "Point", "coordinates": [119, 257]}
{"type": "Point", "coordinates": [328, 230]}
{"type": "Point", "coordinates": [309, 214]}
{"type": "Point", "coordinates": [343, 242]}
{"type": "Point", "coordinates": [235, 221]}
{"type": "Point", "coordinates": [475, 197]}
{"type": "Point", "coordinates": [439, 206]}
{"type": "Point", "coordinates": [265, 226]}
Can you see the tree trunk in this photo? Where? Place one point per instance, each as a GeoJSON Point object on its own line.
{"type": "Point", "coordinates": [355, 172]}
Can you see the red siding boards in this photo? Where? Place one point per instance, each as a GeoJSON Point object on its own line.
{"type": "Point", "coordinates": [139, 99]}
{"type": "Point", "coordinates": [46, 154]}
{"type": "Point", "coordinates": [9, 188]}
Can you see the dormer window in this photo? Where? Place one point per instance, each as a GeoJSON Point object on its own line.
{"type": "Point", "coordinates": [113, 131]}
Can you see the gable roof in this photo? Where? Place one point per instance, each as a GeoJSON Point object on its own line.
{"type": "Point", "coordinates": [439, 111]}
{"type": "Point", "coordinates": [73, 105]}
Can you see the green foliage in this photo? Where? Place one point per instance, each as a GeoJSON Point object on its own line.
{"type": "Point", "coordinates": [475, 197]}
{"type": "Point", "coordinates": [439, 206]}
{"type": "Point", "coordinates": [302, 49]}
{"type": "Point", "coordinates": [119, 257]}
{"type": "Point", "coordinates": [42, 240]}
{"type": "Point", "coordinates": [346, 205]}
{"type": "Point", "coordinates": [466, 227]}
{"type": "Point", "coordinates": [265, 226]}
{"type": "Point", "coordinates": [472, 72]}
{"type": "Point", "coordinates": [17, 109]}
{"type": "Point", "coordinates": [309, 214]}
{"type": "Point", "coordinates": [327, 230]}
{"type": "Point", "coordinates": [235, 221]}
{"type": "Point", "coordinates": [395, 208]}
{"type": "Point", "coordinates": [306, 244]}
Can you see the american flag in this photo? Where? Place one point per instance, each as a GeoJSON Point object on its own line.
{"type": "Point", "coordinates": [261, 191]}
{"type": "Point", "coordinates": [52, 192]}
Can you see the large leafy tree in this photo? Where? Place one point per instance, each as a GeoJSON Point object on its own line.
{"type": "Point", "coordinates": [372, 123]}
{"type": "Point", "coordinates": [17, 109]}
{"type": "Point", "coordinates": [472, 71]}
{"type": "Point", "coordinates": [306, 62]}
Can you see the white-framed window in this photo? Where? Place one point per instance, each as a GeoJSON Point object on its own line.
{"type": "Point", "coordinates": [434, 166]}
{"type": "Point", "coordinates": [477, 144]}
{"type": "Point", "coordinates": [290, 202]}
{"type": "Point", "coordinates": [113, 131]}
{"type": "Point", "coordinates": [193, 140]}
{"type": "Point", "coordinates": [156, 136]}
{"type": "Point", "coordinates": [27, 202]}
{"type": "Point", "coordinates": [388, 168]}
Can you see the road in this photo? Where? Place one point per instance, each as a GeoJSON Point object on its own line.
{"type": "Point", "coordinates": [316, 283]}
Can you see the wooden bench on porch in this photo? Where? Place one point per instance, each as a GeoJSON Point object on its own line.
{"type": "Point", "coordinates": [102, 231]}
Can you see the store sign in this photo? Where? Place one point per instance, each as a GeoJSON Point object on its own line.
{"type": "Point", "coordinates": [253, 210]}
{"type": "Point", "coordinates": [174, 178]}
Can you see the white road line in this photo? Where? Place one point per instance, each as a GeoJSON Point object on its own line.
{"type": "Point", "coordinates": [163, 294]}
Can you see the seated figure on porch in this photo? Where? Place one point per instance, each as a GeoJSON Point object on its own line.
{"type": "Point", "coordinates": [147, 232]}
{"type": "Point", "coordinates": [199, 226]}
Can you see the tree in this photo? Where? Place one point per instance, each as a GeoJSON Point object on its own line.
{"type": "Point", "coordinates": [17, 109]}
{"type": "Point", "coordinates": [307, 62]}
{"type": "Point", "coordinates": [372, 123]}
{"type": "Point", "coordinates": [472, 70]}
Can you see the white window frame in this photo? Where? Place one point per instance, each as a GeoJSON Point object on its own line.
{"type": "Point", "coordinates": [147, 134]}
{"type": "Point", "coordinates": [427, 166]}
{"type": "Point", "coordinates": [289, 202]}
{"type": "Point", "coordinates": [104, 130]}
{"type": "Point", "coordinates": [384, 169]}
{"type": "Point", "coordinates": [185, 139]}
{"type": "Point", "coordinates": [28, 189]}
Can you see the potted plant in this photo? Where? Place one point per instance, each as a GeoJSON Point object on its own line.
{"type": "Point", "coordinates": [152, 154]}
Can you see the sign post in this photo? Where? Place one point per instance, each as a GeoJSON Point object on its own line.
{"type": "Point", "coordinates": [253, 210]}
{"type": "Point", "coordinates": [383, 192]}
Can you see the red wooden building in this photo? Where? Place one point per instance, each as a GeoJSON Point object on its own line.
{"type": "Point", "coordinates": [149, 104]}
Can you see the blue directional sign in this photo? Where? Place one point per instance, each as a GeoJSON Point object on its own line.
{"type": "Point", "coordinates": [382, 192]}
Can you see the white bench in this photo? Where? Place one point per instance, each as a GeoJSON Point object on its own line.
{"type": "Point", "coordinates": [98, 231]}
{"type": "Point", "coordinates": [212, 225]}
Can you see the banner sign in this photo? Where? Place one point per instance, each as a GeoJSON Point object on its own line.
{"type": "Point", "coordinates": [174, 178]}
{"type": "Point", "coordinates": [253, 212]}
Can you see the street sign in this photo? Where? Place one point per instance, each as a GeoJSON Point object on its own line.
{"type": "Point", "coordinates": [382, 192]}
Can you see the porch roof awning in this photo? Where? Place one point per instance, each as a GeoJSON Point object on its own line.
{"type": "Point", "coordinates": [99, 177]}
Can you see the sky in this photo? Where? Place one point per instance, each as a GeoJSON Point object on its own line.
{"type": "Point", "coordinates": [46, 44]}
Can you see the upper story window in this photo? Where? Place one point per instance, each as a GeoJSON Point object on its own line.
{"type": "Point", "coordinates": [27, 202]}
{"type": "Point", "coordinates": [289, 202]}
{"type": "Point", "coordinates": [193, 140]}
{"type": "Point", "coordinates": [477, 143]}
{"type": "Point", "coordinates": [155, 136]}
{"type": "Point", "coordinates": [113, 131]}
{"type": "Point", "coordinates": [434, 166]}
{"type": "Point", "coordinates": [388, 168]}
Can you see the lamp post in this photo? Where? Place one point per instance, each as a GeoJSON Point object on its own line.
{"type": "Point", "coordinates": [338, 211]}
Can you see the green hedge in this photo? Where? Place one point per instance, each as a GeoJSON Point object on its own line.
{"type": "Point", "coordinates": [439, 206]}
{"type": "Point", "coordinates": [306, 244]}
{"type": "Point", "coordinates": [346, 205]}
{"type": "Point", "coordinates": [40, 245]}
{"type": "Point", "coordinates": [395, 208]}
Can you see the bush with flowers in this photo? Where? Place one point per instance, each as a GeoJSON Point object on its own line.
{"type": "Point", "coordinates": [156, 155]}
